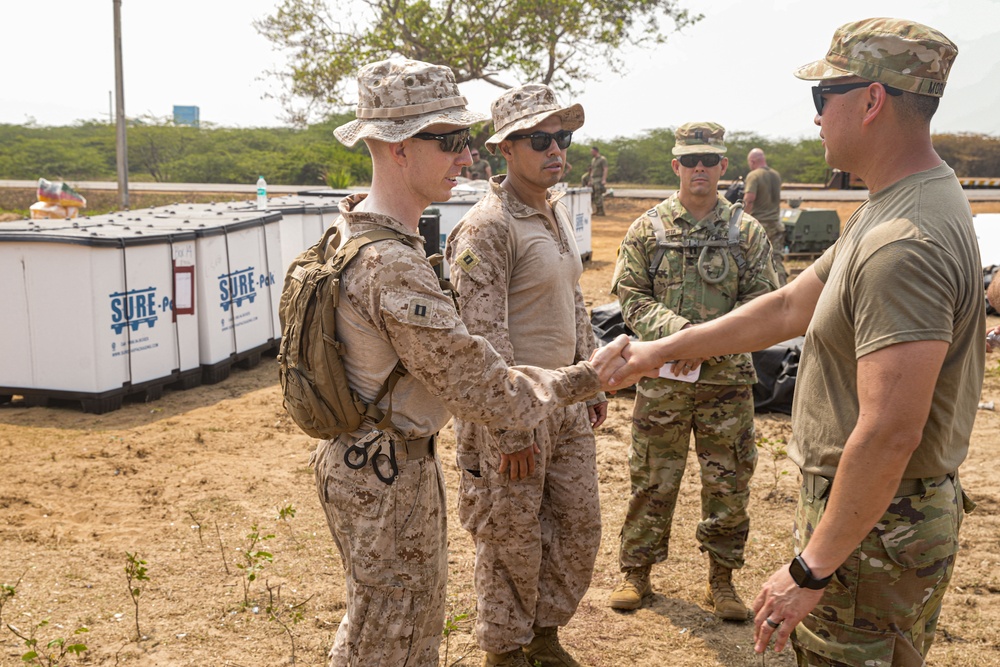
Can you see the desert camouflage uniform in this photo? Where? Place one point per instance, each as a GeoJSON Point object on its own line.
{"type": "Point", "coordinates": [536, 538]}
{"type": "Point", "coordinates": [718, 407]}
{"type": "Point", "coordinates": [392, 538]}
{"type": "Point", "coordinates": [598, 169]}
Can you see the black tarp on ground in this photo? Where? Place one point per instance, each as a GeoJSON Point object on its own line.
{"type": "Point", "coordinates": [776, 366]}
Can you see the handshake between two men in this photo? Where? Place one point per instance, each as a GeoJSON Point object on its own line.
{"type": "Point", "coordinates": [623, 362]}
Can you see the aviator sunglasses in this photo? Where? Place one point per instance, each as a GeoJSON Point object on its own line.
{"type": "Point", "coordinates": [451, 142]}
{"type": "Point", "coordinates": [708, 159]}
{"type": "Point", "coordinates": [540, 141]}
{"type": "Point", "coordinates": [841, 88]}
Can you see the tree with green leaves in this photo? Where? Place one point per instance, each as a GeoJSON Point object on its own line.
{"type": "Point", "coordinates": [556, 42]}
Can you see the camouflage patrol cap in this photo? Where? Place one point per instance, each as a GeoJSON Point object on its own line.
{"type": "Point", "coordinates": [526, 106]}
{"type": "Point", "coordinates": [699, 138]}
{"type": "Point", "coordinates": [896, 52]}
{"type": "Point", "coordinates": [399, 97]}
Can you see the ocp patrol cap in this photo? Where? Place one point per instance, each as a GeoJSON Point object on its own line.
{"type": "Point", "coordinates": [699, 138]}
{"type": "Point", "coordinates": [899, 53]}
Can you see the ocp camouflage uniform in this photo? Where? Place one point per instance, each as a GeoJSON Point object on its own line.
{"type": "Point", "coordinates": [537, 538]}
{"type": "Point", "coordinates": [718, 407]}
{"type": "Point", "coordinates": [598, 170]}
{"type": "Point", "coordinates": [906, 269]}
{"type": "Point", "coordinates": [867, 616]}
{"type": "Point", "coordinates": [392, 537]}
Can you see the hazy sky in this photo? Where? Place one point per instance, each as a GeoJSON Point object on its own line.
{"type": "Point", "coordinates": [733, 67]}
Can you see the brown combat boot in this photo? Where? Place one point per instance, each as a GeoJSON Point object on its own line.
{"type": "Point", "coordinates": [721, 594]}
{"type": "Point", "coordinates": [545, 650]}
{"type": "Point", "coordinates": [629, 593]}
{"type": "Point", "coordinates": [513, 658]}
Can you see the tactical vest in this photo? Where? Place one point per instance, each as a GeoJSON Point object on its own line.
{"type": "Point", "coordinates": [731, 241]}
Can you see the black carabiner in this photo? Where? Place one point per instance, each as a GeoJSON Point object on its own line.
{"type": "Point", "coordinates": [356, 456]}
{"type": "Point", "coordinates": [391, 458]}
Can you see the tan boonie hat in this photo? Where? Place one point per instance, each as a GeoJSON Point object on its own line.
{"type": "Point", "coordinates": [526, 106]}
{"type": "Point", "coordinates": [699, 138]}
{"type": "Point", "coordinates": [896, 52]}
{"type": "Point", "coordinates": [398, 98]}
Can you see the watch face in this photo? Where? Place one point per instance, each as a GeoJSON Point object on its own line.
{"type": "Point", "coordinates": [803, 576]}
{"type": "Point", "coordinates": [799, 572]}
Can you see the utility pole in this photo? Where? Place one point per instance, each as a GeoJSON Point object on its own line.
{"type": "Point", "coordinates": [121, 143]}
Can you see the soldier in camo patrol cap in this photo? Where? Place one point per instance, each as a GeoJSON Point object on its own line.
{"type": "Point", "coordinates": [677, 268]}
{"type": "Point", "coordinates": [517, 269]}
{"type": "Point", "coordinates": [891, 368]}
{"type": "Point", "coordinates": [390, 528]}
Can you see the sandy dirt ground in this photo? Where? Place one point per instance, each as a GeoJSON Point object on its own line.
{"type": "Point", "coordinates": [186, 482]}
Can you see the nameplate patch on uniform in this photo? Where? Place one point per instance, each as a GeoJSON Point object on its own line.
{"type": "Point", "coordinates": [674, 232]}
{"type": "Point", "coordinates": [467, 260]}
{"type": "Point", "coordinates": [419, 311]}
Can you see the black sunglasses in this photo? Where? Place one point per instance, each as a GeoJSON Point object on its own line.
{"type": "Point", "coordinates": [452, 142]}
{"type": "Point", "coordinates": [841, 88]}
{"type": "Point", "coordinates": [708, 159]}
{"type": "Point", "coordinates": [540, 141]}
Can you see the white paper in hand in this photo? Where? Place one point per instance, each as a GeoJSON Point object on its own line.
{"type": "Point", "coordinates": [690, 376]}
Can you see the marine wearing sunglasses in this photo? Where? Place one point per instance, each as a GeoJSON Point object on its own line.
{"type": "Point", "coordinates": [540, 141]}
{"type": "Point", "coordinates": [450, 142]}
{"type": "Point", "coordinates": [841, 88]}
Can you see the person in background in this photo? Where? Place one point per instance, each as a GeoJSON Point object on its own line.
{"type": "Point", "coordinates": [677, 269]}
{"type": "Point", "coordinates": [480, 169]}
{"type": "Point", "coordinates": [597, 178]}
{"type": "Point", "coordinates": [762, 199]}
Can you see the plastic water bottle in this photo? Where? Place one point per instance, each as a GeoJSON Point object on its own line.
{"type": "Point", "coordinates": [261, 194]}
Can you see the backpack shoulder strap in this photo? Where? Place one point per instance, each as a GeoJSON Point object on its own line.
{"type": "Point", "coordinates": [661, 240]}
{"type": "Point", "coordinates": [338, 262]}
{"type": "Point", "coordinates": [343, 255]}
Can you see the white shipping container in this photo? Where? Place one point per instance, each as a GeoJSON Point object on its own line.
{"type": "Point", "coordinates": [89, 314]}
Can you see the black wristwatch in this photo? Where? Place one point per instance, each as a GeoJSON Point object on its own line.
{"type": "Point", "coordinates": [803, 576]}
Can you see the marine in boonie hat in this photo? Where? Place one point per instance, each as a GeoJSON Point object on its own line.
{"type": "Point", "coordinates": [526, 106]}
{"type": "Point", "coordinates": [699, 138]}
{"type": "Point", "coordinates": [899, 53]}
{"type": "Point", "coordinates": [399, 97]}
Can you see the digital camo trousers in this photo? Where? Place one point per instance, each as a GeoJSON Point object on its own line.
{"type": "Point", "coordinates": [393, 542]}
{"type": "Point", "coordinates": [881, 607]}
{"type": "Point", "coordinates": [536, 538]}
{"type": "Point", "coordinates": [665, 414]}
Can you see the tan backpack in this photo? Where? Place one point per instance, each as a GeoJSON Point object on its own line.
{"type": "Point", "coordinates": [313, 379]}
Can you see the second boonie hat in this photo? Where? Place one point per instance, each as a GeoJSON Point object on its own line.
{"type": "Point", "coordinates": [526, 106]}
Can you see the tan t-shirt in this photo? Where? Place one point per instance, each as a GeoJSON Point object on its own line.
{"type": "Point", "coordinates": [765, 183]}
{"type": "Point", "coordinates": [907, 268]}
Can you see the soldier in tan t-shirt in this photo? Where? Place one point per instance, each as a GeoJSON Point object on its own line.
{"type": "Point", "coordinates": [762, 199]}
{"type": "Point", "coordinates": [517, 268]}
{"type": "Point", "coordinates": [891, 368]}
